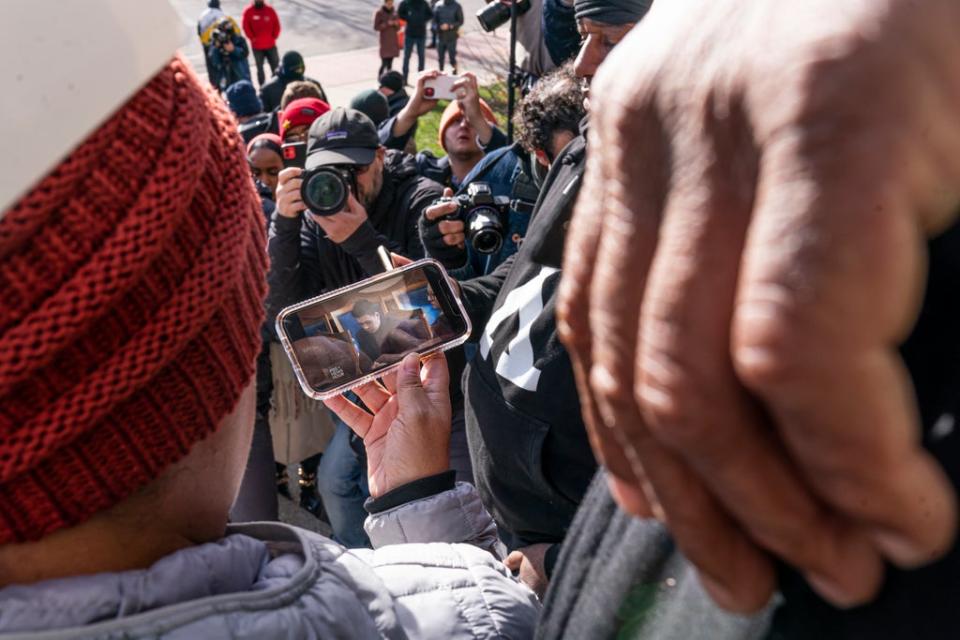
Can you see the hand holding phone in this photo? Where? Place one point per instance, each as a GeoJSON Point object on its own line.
{"type": "Point", "coordinates": [407, 437]}
{"type": "Point", "coordinates": [340, 340]}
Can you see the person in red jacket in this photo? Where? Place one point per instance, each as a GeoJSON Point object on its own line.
{"type": "Point", "coordinates": [261, 25]}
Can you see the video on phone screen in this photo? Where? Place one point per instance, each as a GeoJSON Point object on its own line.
{"type": "Point", "coordinates": [366, 330]}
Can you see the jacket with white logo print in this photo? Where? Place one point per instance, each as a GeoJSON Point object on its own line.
{"type": "Point", "coordinates": [531, 457]}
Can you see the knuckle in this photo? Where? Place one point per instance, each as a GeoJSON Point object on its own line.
{"type": "Point", "coordinates": [611, 389]}
{"type": "Point", "coordinates": [800, 543]}
{"type": "Point", "coordinates": [572, 321]}
{"type": "Point", "coordinates": [771, 347]}
{"type": "Point", "coordinates": [671, 397]}
{"type": "Point", "coordinates": [691, 514]}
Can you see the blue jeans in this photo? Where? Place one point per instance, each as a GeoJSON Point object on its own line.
{"type": "Point", "coordinates": [408, 44]}
{"type": "Point", "coordinates": [342, 484]}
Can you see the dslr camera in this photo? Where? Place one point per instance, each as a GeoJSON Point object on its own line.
{"type": "Point", "coordinates": [221, 35]}
{"type": "Point", "coordinates": [496, 13]}
{"type": "Point", "coordinates": [483, 215]}
{"type": "Point", "coordinates": [325, 189]}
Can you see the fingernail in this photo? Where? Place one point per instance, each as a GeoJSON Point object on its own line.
{"type": "Point", "coordinates": [718, 592]}
{"type": "Point", "coordinates": [726, 598]}
{"type": "Point", "coordinates": [901, 550]}
{"type": "Point", "coordinates": [411, 364]}
{"type": "Point", "coordinates": [832, 592]}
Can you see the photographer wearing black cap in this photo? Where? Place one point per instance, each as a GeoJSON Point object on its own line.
{"type": "Point", "coordinates": [315, 253]}
{"type": "Point", "coordinates": [324, 247]}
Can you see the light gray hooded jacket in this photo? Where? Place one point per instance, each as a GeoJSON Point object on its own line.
{"type": "Point", "coordinates": [269, 580]}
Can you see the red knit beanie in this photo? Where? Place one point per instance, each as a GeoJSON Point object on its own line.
{"type": "Point", "coordinates": [131, 288]}
{"type": "Point", "coordinates": [453, 111]}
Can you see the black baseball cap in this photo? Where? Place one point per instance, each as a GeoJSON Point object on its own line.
{"type": "Point", "coordinates": [341, 136]}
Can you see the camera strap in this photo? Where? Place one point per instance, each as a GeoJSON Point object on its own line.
{"type": "Point", "coordinates": [525, 192]}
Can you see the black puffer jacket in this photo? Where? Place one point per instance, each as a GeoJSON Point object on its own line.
{"type": "Point", "coordinates": [305, 263]}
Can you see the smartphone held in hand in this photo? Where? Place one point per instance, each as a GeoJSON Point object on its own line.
{"type": "Point", "coordinates": [350, 336]}
{"type": "Point", "coordinates": [440, 88]}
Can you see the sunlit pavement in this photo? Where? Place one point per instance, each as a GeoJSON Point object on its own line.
{"type": "Point", "coordinates": [340, 46]}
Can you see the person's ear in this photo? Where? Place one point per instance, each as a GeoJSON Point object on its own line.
{"type": "Point", "coordinates": [381, 153]}
{"type": "Point", "coordinates": [542, 158]}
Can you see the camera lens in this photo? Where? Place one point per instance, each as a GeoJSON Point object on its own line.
{"type": "Point", "coordinates": [325, 192]}
{"type": "Point", "coordinates": [484, 231]}
{"type": "Point", "coordinates": [487, 241]}
{"type": "Point", "coordinates": [496, 14]}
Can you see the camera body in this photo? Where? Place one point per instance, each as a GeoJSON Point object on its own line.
{"type": "Point", "coordinates": [483, 215]}
{"type": "Point", "coordinates": [326, 189]}
{"type": "Point", "coordinates": [496, 14]}
{"type": "Point", "coordinates": [222, 34]}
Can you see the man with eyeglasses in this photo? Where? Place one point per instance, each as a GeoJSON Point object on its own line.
{"type": "Point", "coordinates": [311, 254]}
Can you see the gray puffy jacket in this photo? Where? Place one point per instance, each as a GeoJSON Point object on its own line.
{"type": "Point", "coordinates": [268, 580]}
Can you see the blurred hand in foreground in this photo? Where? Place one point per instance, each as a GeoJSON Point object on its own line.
{"type": "Point", "coordinates": [745, 258]}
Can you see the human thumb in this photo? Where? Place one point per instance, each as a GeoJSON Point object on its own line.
{"type": "Point", "coordinates": [408, 377]}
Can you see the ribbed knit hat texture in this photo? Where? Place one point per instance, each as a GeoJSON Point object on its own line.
{"type": "Point", "coordinates": [131, 294]}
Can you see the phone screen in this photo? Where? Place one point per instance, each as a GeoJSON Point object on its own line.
{"type": "Point", "coordinates": [342, 339]}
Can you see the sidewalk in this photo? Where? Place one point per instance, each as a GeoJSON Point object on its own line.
{"type": "Point", "coordinates": [343, 75]}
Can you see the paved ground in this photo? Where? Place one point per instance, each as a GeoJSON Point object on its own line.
{"type": "Point", "coordinates": [337, 39]}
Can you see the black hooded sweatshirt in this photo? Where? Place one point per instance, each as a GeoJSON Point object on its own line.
{"type": "Point", "coordinates": [305, 263]}
{"type": "Point", "coordinates": [531, 458]}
